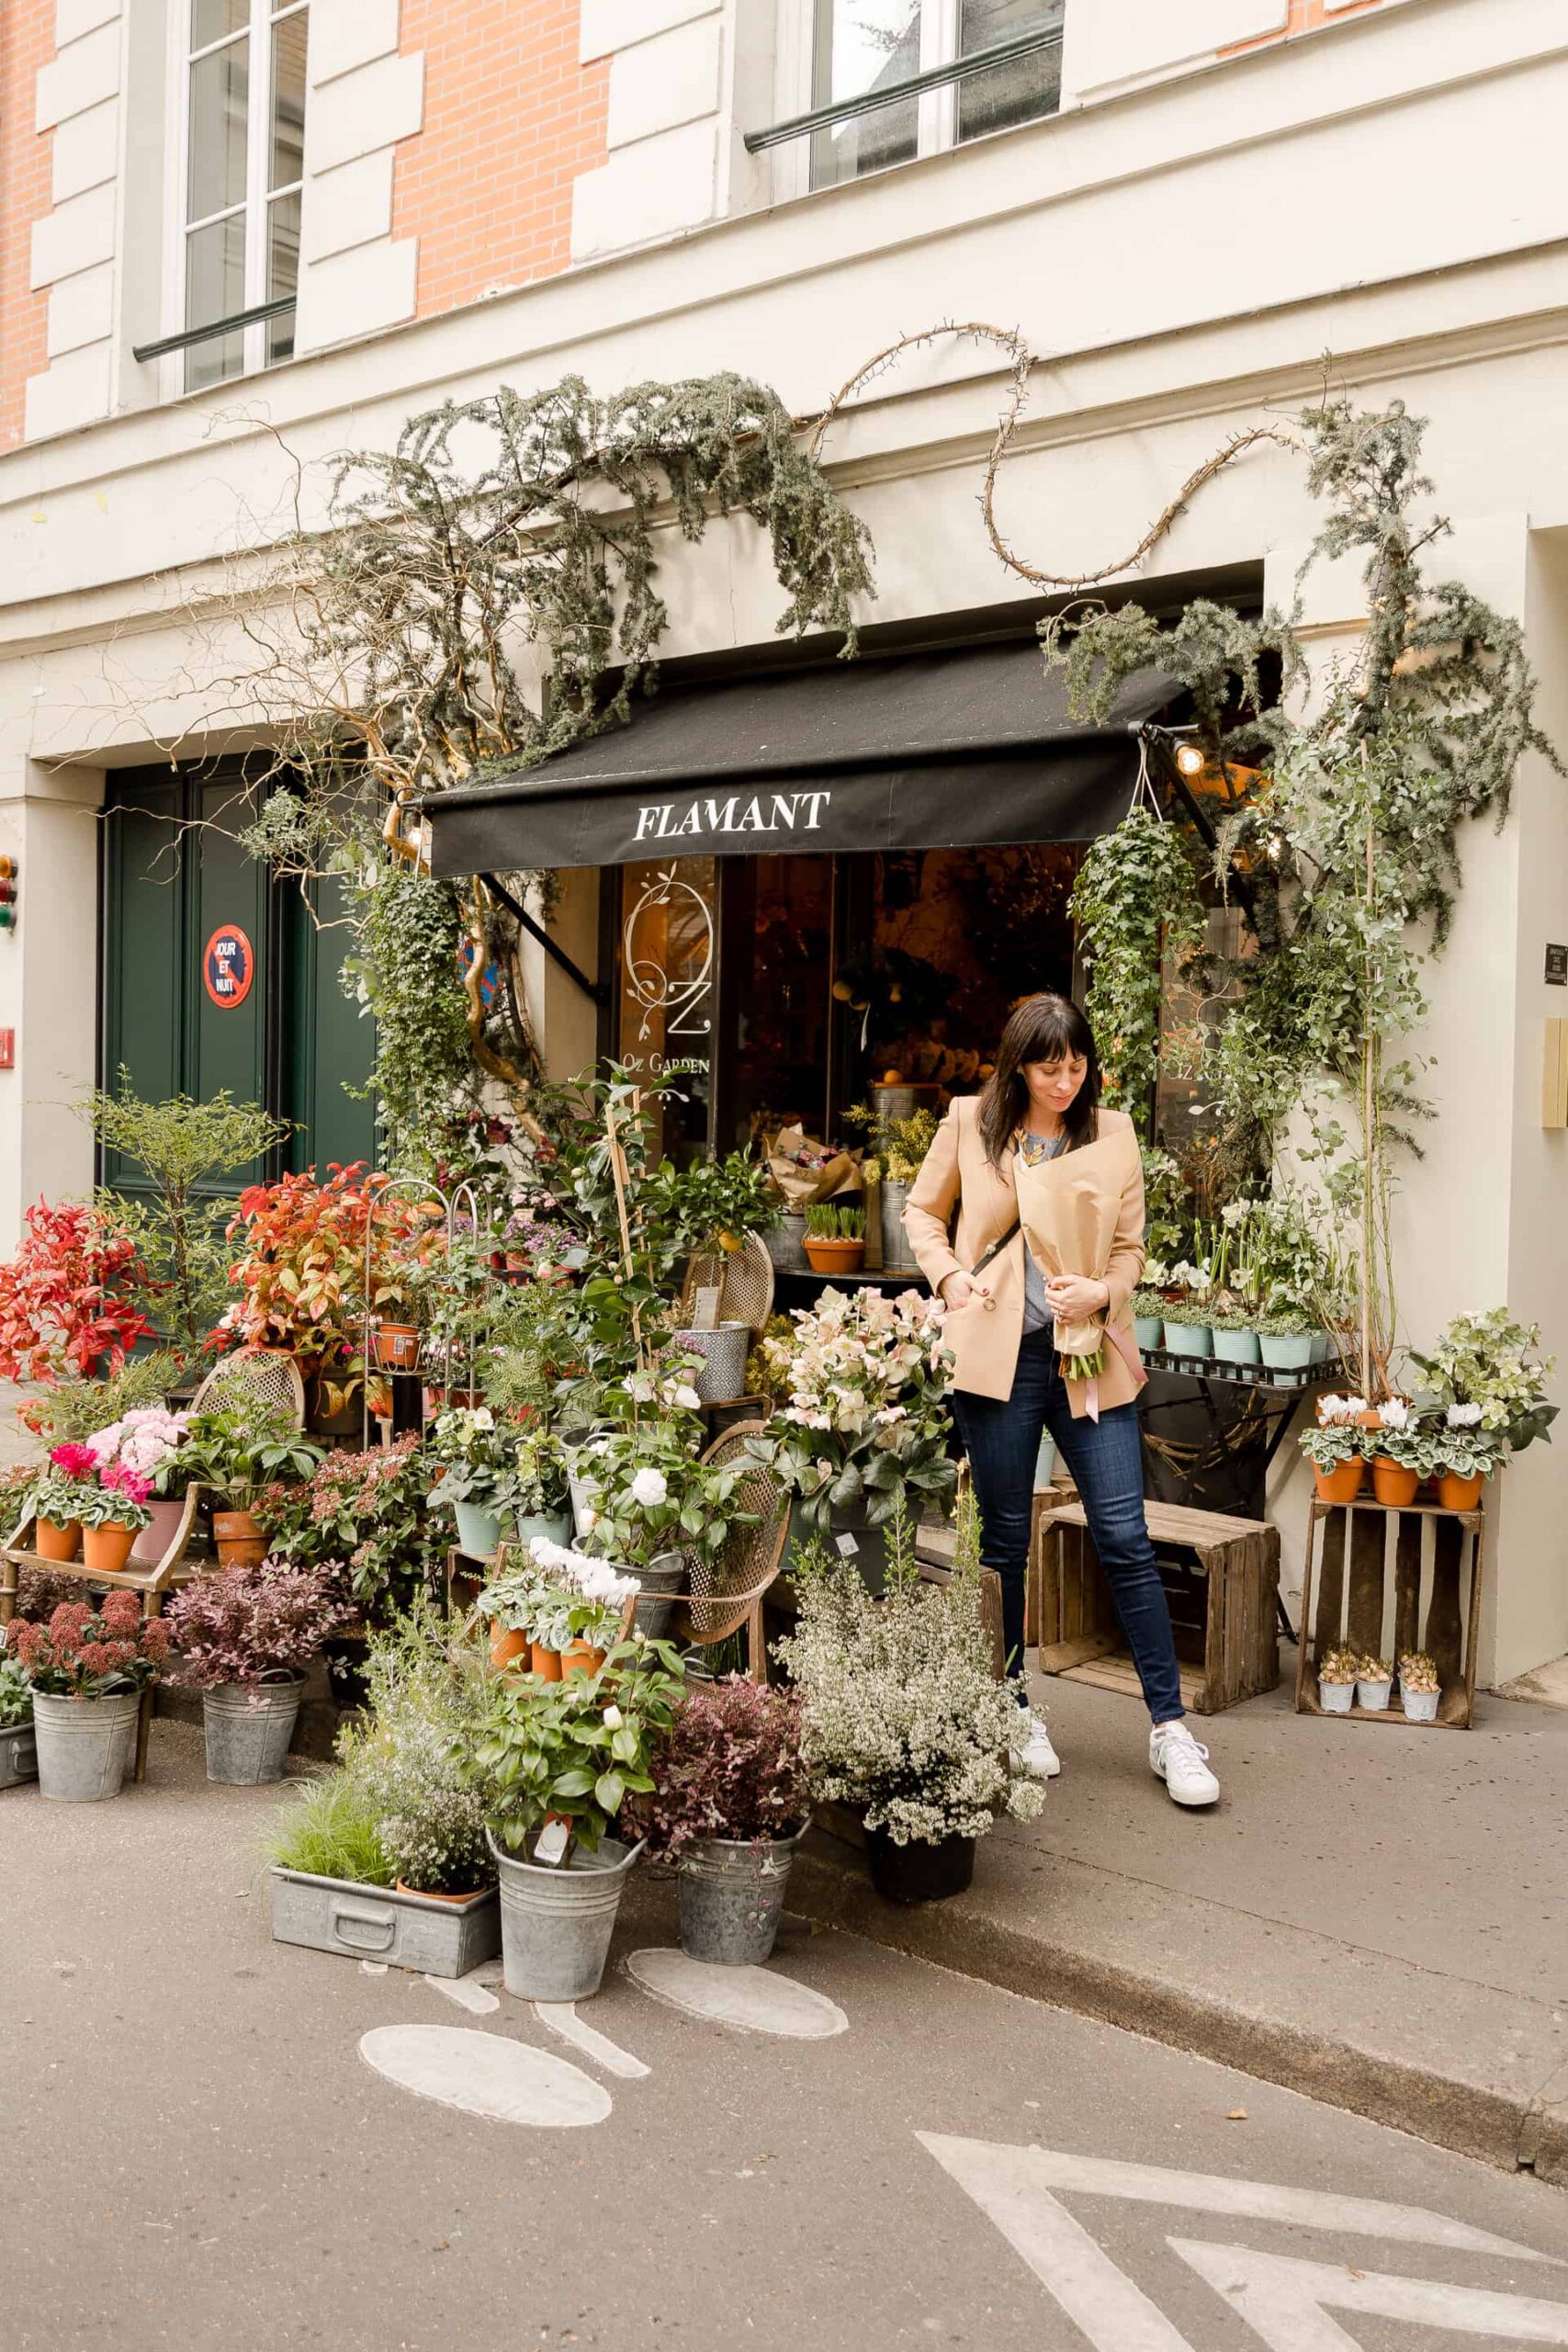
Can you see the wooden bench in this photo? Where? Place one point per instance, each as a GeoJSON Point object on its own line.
{"type": "Point", "coordinates": [1221, 1576]}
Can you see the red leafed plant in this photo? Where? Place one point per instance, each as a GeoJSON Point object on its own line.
{"type": "Point", "coordinates": [246, 1623]}
{"type": "Point", "coordinates": [83, 1653]}
{"type": "Point", "coordinates": [67, 1297]}
{"type": "Point", "coordinates": [730, 1766]}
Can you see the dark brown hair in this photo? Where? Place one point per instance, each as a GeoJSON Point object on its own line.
{"type": "Point", "coordinates": [1045, 1028]}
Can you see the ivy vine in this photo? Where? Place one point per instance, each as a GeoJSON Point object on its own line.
{"type": "Point", "coordinates": [1137, 901]}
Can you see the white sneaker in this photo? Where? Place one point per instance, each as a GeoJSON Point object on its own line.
{"type": "Point", "coordinates": [1036, 1757]}
{"type": "Point", "coordinates": [1182, 1765]}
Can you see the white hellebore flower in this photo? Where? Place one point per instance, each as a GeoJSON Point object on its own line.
{"type": "Point", "coordinates": [687, 1395]}
{"type": "Point", "coordinates": [613, 1718]}
{"type": "Point", "coordinates": [649, 1489]}
{"type": "Point", "coordinates": [484, 1419]}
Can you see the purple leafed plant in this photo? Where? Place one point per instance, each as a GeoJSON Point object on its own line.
{"type": "Point", "coordinates": [730, 1766]}
{"type": "Point", "coordinates": [246, 1623]}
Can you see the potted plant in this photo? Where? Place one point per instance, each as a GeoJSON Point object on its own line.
{"type": "Point", "coordinates": [1337, 1669]}
{"type": "Point", "coordinates": [1419, 1686]}
{"type": "Point", "coordinates": [655, 1506]}
{"type": "Point", "coordinates": [479, 1475]}
{"type": "Point", "coordinates": [579, 1611]}
{"type": "Point", "coordinates": [731, 1801]}
{"type": "Point", "coordinates": [900, 1147]}
{"type": "Point", "coordinates": [543, 1501]}
{"type": "Point", "coordinates": [835, 1238]}
{"type": "Point", "coordinates": [1232, 1330]}
{"type": "Point", "coordinates": [394, 1335]}
{"type": "Point", "coordinates": [902, 1717]}
{"type": "Point", "coordinates": [113, 1514]}
{"type": "Point", "coordinates": [1464, 1456]}
{"type": "Point", "coordinates": [244, 1637]}
{"type": "Point", "coordinates": [18, 1746]}
{"type": "Point", "coordinates": [1149, 1308]}
{"type": "Point", "coordinates": [59, 1497]}
{"type": "Point", "coordinates": [1375, 1680]}
{"type": "Point", "coordinates": [1494, 1363]}
{"type": "Point", "coordinates": [88, 1669]}
{"type": "Point", "coordinates": [1401, 1455]}
{"type": "Point", "coordinates": [1285, 1336]}
{"type": "Point", "coordinates": [566, 1756]}
{"type": "Point", "coordinates": [69, 1297]}
{"type": "Point", "coordinates": [237, 1452]}
{"type": "Point", "coordinates": [369, 1510]}
{"type": "Point", "coordinates": [1334, 1447]}
{"type": "Point", "coordinates": [865, 1431]}
{"type": "Point", "coordinates": [1187, 1329]}
{"type": "Point", "coordinates": [146, 1441]}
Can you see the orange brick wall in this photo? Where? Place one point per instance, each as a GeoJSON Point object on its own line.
{"type": "Point", "coordinates": [27, 42]}
{"type": "Point", "coordinates": [510, 120]}
{"type": "Point", "coordinates": [1304, 18]}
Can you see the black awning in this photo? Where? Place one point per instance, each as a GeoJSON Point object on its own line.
{"type": "Point", "coordinates": [953, 748]}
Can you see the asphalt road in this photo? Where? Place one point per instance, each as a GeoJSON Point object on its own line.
{"type": "Point", "coordinates": [201, 2148]}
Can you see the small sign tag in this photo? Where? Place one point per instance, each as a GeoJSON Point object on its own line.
{"type": "Point", "coordinates": [1556, 966]}
{"type": "Point", "coordinates": [550, 1845]}
{"type": "Point", "coordinates": [847, 1546]}
{"type": "Point", "coordinates": [705, 1308]}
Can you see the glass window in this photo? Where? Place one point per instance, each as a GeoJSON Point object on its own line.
{"type": "Point", "coordinates": [864, 45]}
{"type": "Point", "coordinates": [244, 168]}
{"type": "Point", "coordinates": [1021, 91]}
{"type": "Point", "coordinates": [867, 45]}
{"type": "Point", "coordinates": [666, 994]}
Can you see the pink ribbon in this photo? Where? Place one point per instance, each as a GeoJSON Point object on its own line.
{"type": "Point", "coordinates": [1130, 1357]}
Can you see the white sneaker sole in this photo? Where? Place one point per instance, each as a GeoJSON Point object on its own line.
{"type": "Point", "coordinates": [1192, 1805]}
{"type": "Point", "coordinates": [1035, 1772]}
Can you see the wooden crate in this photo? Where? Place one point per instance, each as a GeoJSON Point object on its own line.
{"type": "Point", "coordinates": [1222, 1578]}
{"type": "Point", "coordinates": [1369, 1573]}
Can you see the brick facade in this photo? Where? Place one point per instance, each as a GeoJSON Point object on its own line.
{"type": "Point", "coordinates": [26, 43]}
{"type": "Point", "coordinates": [511, 118]}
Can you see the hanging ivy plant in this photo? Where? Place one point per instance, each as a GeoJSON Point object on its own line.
{"type": "Point", "coordinates": [1136, 902]}
{"type": "Point", "coordinates": [405, 971]}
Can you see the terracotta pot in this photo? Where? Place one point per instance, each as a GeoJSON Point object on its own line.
{"type": "Point", "coordinates": [1392, 1485]}
{"type": "Point", "coordinates": [834, 1257]}
{"type": "Point", "coordinates": [579, 1657]}
{"type": "Point", "coordinates": [1459, 1494]}
{"type": "Point", "coordinates": [55, 1543]}
{"type": "Point", "coordinates": [1341, 1484]}
{"type": "Point", "coordinates": [428, 1894]}
{"type": "Point", "coordinates": [107, 1548]}
{"type": "Point", "coordinates": [239, 1539]}
{"type": "Point", "coordinates": [544, 1663]}
{"type": "Point", "coordinates": [396, 1346]}
{"type": "Point", "coordinates": [506, 1649]}
{"type": "Point", "coordinates": [1370, 1419]}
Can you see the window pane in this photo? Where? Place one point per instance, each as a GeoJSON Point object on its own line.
{"type": "Point", "coordinates": [1019, 92]}
{"type": "Point", "coordinates": [282, 271]}
{"type": "Point", "coordinates": [215, 289]}
{"type": "Point", "coordinates": [864, 45]}
{"type": "Point", "coordinates": [212, 19]}
{"type": "Point", "coordinates": [289, 99]}
{"type": "Point", "coordinates": [219, 92]}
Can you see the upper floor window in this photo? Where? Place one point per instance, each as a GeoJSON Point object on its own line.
{"type": "Point", "coordinates": [245, 165]}
{"type": "Point", "coordinates": [863, 47]}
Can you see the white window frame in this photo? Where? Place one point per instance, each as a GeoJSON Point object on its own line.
{"type": "Point", "coordinates": [258, 197]}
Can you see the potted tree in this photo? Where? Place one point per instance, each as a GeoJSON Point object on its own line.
{"type": "Point", "coordinates": [88, 1669]}
{"type": "Point", "coordinates": [18, 1746]}
{"type": "Point", "coordinates": [244, 1637]}
{"type": "Point", "coordinates": [730, 1803]}
{"type": "Point", "coordinates": [238, 1454]}
{"type": "Point", "coordinates": [1337, 1669]}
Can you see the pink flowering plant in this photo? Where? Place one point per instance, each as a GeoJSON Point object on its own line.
{"type": "Point", "coordinates": [252, 1625]}
{"type": "Point", "coordinates": [83, 1652]}
{"type": "Point", "coordinates": [119, 1499]}
{"type": "Point", "coordinates": [369, 1511]}
{"type": "Point", "coordinates": [147, 1440]}
{"type": "Point", "coordinates": [69, 1486]}
{"type": "Point", "coordinates": [865, 1426]}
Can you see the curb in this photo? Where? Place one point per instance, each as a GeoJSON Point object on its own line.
{"type": "Point", "coordinates": [1497, 2127]}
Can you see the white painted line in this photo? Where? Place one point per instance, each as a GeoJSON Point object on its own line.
{"type": "Point", "coordinates": [1282, 2300]}
{"type": "Point", "coordinates": [486, 2074]}
{"type": "Point", "coordinates": [756, 1999]}
{"type": "Point", "coordinates": [561, 2017]}
{"type": "Point", "coordinates": [468, 1993]}
{"type": "Point", "coordinates": [372, 1968]}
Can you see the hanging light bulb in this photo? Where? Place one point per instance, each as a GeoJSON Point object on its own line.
{"type": "Point", "coordinates": [1190, 760]}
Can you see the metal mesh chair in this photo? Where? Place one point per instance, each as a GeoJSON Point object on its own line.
{"type": "Point", "coordinates": [260, 1380]}
{"type": "Point", "coordinates": [728, 1593]}
{"type": "Point", "coordinates": [744, 1278]}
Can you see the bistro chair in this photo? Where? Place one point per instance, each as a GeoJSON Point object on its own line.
{"type": "Point", "coordinates": [263, 1381]}
{"type": "Point", "coordinates": [728, 1593]}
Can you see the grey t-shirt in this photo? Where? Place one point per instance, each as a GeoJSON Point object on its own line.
{"type": "Point", "coordinates": [1037, 1315]}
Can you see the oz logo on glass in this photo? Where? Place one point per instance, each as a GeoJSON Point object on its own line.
{"type": "Point", "coordinates": [228, 967]}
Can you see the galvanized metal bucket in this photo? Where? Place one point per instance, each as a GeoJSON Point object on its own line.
{"type": "Point", "coordinates": [554, 1526]}
{"type": "Point", "coordinates": [556, 1925]}
{"type": "Point", "coordinates": [724, 1351]}
{"type": "Point", "coordinates": [418, 1931]}
{"type": "Point", "coordinates": [18, 1754]}
{"type": "Point", "coordinates": [732, 1898]}
{"type": "Point", "coordinates": [898, 1256]}
{"type": "Point", "coordinates": [785, 1243]}
{"type": "Point", "coordinates": [84, 1745]}
{"type": "Point", "coordinates": [661, 1583]}
{"type": "Point", "coordinates": [247, 1728]}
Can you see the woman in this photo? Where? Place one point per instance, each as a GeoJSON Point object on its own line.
{"type": "Point", "coordinates": [1037, 1283]}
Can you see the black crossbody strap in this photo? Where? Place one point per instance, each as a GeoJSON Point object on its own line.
{"type": "Point", "coordinates": [994, 1250]}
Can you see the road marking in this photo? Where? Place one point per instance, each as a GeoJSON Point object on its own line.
{"type": "Point", "coordinates": [372, 1968]}
{"type": "Point", "coordinates": [468, 1993]}
{"type": "Point", "coordinates": [757, 1999]}
{"type": "Point", "coordinates": [1283, 2299]}
{"type": "Point", "coordinates": [486, 2074]}
{"type": "Point", "coordinates": [561, 2017]}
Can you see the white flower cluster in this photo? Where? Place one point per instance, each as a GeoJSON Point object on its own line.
{"type": "Point", "coordinates": [650, 1487]}
{"type": "Point", "coordinates": [1340, 1408]}
{"type": "Point", "coordinates": [1463, 1416]}
{"type": "Point", "coordinates": [1395, 1414]}
{"type": "Point", "coordinates": [594, 1579]}
{"type": "Point", "coordinates": [644, 1389]}
{"type": "Point", "coordinates": [143, 1441]}
{"type": "Point", "coordinates": [847, 1360]}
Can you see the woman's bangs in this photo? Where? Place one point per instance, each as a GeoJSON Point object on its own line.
{"type": "Point", "coordinates": [1054, 1030]}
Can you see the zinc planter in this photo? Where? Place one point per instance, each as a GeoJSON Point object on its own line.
{"type": "Point", "coordinates": [732, 1898]}
{"type": "Point", "coordinates": [1286, 1351]}
{"type": "Point", "coordinates": [1319, 1349]}
{"type": "Point", "coordinates": [556, 1925]}
{"type": "Point", "coordinates": [1149, 1332]}
{"type": "Point", "coordinates": [1188, 1339]}
{"type": "Point", "coordinates": [660, 1582]}
{"type": "Point", "coordinates": [1373, 1696]}
{"type": "Point", "coordinates": [153, 1541]}
{"type": "Point", "coordinates": [84, 1745]}
{"type": "Point", "coordinates": [1336, 1698]}
{"type": "Point", "coordinates": [1421, 1706]}
{"type": "Point", "coordinates": [247, 1728]}
{"type": "Point", "coordinates": [18, 1754]}
{"type": "Point", "coordinates": [918, 1873]}
{"type": "Point", "coordinates": [1237, 1347]}
{"type": "Point", "coordinates": [477, 1531]}
{"type": "Point", "coordinates": [724, 1352]}
{"type": "Point", "coordinates": [554, 1526]}
{"type": "Point", "coordinates": [897, 1258]}
{"type": "Point", "coordinates": [785, 1243]}
{"type": "Point", "coordinates": [426, 1932]}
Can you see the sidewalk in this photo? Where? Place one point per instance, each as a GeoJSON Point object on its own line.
{"type": "Point", "coordinates": [1375, 1917]}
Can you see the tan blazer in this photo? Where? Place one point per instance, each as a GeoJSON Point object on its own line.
{"type": "Point", "coordinates": [984, 1340]}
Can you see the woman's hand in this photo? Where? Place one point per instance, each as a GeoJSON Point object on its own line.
{"type": "Point", "coordinates": [1073, 1298]}
{"type": "Point", "coordinates": [958, 1288]}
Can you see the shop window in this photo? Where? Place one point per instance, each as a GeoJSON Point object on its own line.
{"type": "Point", "coordinates": [244, 171]}
{"type": "Point", "coordinates": [863, 48]}
{"type": "Point", "coordinates": [668, 964]}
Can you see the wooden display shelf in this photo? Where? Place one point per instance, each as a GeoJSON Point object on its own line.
{"type": "Point", "coordinates": [1369, 1593]}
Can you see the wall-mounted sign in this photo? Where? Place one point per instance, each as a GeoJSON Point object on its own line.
{"type": "Point", "coordinates": [1556, 966]}
{"type": "Point", "coordinates": [228, 967]}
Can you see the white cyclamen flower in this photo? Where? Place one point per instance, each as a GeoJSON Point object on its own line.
{"type": "Point", "coordinates": [1463, 1416]}
{"type": "Point", "coordinates": [1394, 1413]}
{"type": "Point", "coordinates": [649, 1489]}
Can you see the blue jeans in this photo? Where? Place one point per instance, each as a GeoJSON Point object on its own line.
{"type": "Point", "coordinates": [1105, 1458]}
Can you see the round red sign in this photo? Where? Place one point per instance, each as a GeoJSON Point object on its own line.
{"type": "Point", "coordinates": [228, 967]}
